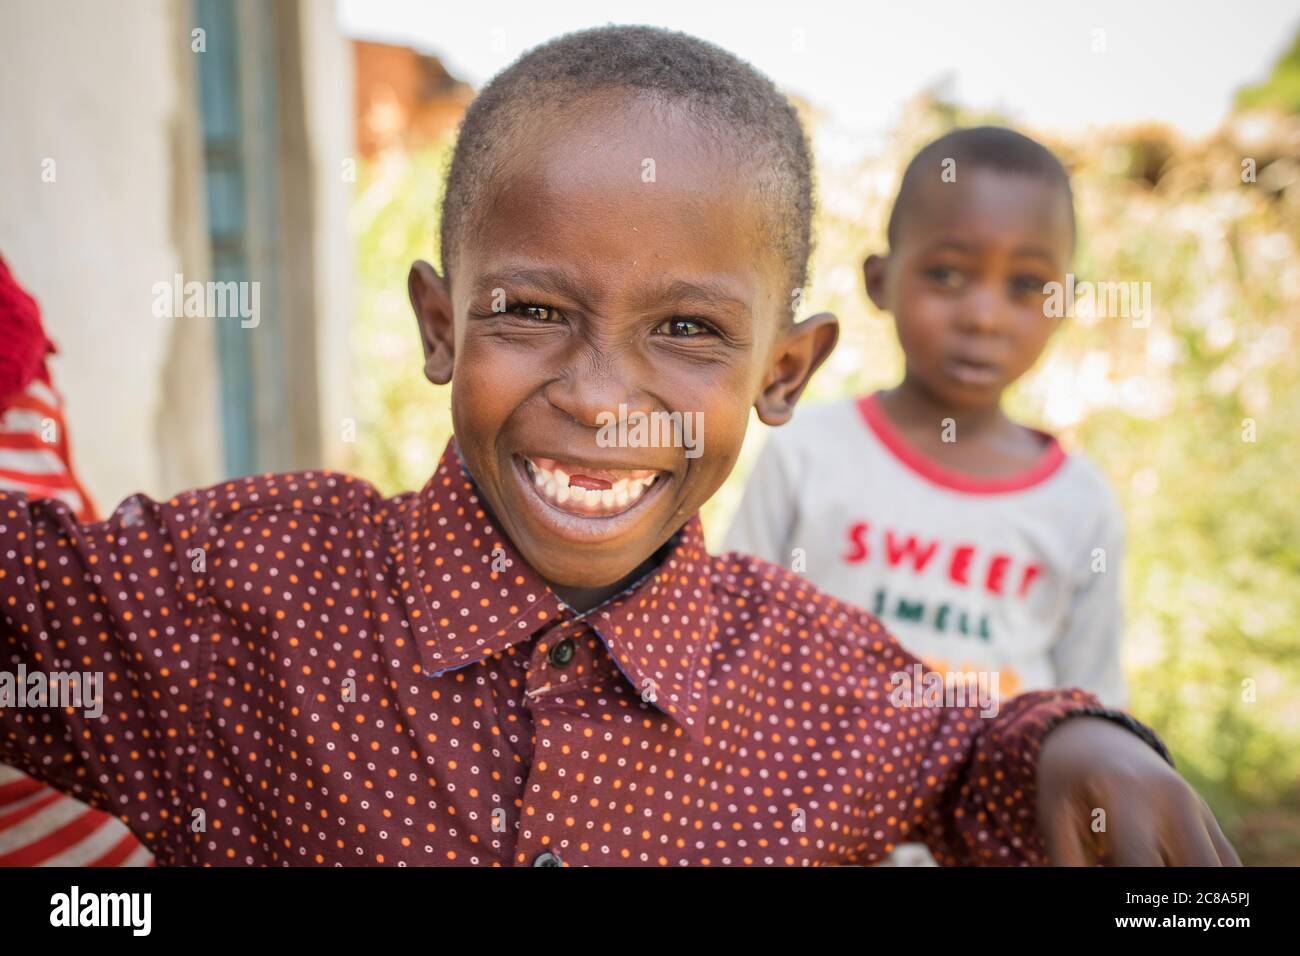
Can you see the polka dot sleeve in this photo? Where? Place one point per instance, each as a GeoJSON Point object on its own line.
{"type": "Point", "coordinates": [939, 768]}
{"type": "Point", "coordinates": [101, 625]}
{"type": "Point", "coordinates": [978, 791]}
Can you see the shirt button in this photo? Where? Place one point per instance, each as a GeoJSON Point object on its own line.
{"type": "Point", "coordinates": [562, 653]}
{"type": "Point", "coordinates": [547, 859]}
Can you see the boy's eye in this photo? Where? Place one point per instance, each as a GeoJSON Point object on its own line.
{"type": "Point", "coordinates": [538, 313]}
{"type": "Point", "coordinates": [683, 328]}
{"type": "Point", "coordinates": [947, 277]}
{"type": "Point", "coordinates": [1029, 285]}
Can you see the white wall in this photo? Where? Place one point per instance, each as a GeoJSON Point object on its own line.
{"type": "Point", "coordinates": [99, 89]}
{"type": "Point", "coordinates": [108, 92]}
{"type": "Point", "coordinates": [329, 85]}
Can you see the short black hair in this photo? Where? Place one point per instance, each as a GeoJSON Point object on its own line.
{"type": "Point", "coordinates": [727, 95]}
{"type": "Point", "coordinates": [979, 147]}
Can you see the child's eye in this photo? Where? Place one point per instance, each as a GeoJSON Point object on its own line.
{"type": "Point", "coordinates": [1029, 285]}
{"type": "Point", "coordinates": [538, 313]}
{"type": "Point", "coordinates": [684, 328]}
{"type": "Point", "coordinates": [947, 277]}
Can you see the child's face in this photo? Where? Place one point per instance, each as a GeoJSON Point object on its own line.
{"type": "Point", "coordinates": [965, 282]}
{"type": "Point", "coordinates": [620, 259]}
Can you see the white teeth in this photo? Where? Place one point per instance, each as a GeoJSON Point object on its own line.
{"type": "Point", "coordinates": [554, 486]}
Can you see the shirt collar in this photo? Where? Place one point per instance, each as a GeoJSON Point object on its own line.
{"type": "Point", "coordinates": [470, 595]}
{"type": "Point", "coordinates": [660, 630]}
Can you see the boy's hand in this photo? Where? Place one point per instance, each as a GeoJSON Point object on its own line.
{"type": "Point", "coordinates": [1152, 817]}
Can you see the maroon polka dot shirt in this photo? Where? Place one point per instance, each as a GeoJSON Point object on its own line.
{"type": "Point", "coordinates": [298, 670]}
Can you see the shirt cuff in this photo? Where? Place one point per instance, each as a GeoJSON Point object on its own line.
{"type": "Point", "coordinates": [1124, 720]}
{"type": "Point", "coordinates": [1013, 746]}
{"type": "Point", "coordinates": [1036, 714]}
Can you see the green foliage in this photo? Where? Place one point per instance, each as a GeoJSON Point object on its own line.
{"type": "Point", "coordinates": [1203, 453]}
{"type": "Point", "coordinates": [1281, 90]}
{"type": "Point", "coordinates": [404, 421]}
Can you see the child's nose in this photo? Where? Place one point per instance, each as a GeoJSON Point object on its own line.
{"type": "Point", "coordinates": [985, 309]}
{"type": "Point", "coordinates": [593, 391]}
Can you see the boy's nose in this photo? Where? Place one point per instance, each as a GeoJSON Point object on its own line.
{"type": "Point", "coordinates": [593, 391]}
{"type": "Point", "coordinates": [984, 311]}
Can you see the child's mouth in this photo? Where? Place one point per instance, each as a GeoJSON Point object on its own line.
{"type": "Point", "coordinates": [584, 500]}
{"type": "Point", "coordinates": [972, 372]}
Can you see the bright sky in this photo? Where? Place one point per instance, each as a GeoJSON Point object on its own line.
{"type": "Point", "coordinates": [1178, 61]}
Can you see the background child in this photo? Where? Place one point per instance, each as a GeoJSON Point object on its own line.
{"type": "Point", "coordinates": [979, 541]}
{"type": "Point", "coordinates": [39, 825]}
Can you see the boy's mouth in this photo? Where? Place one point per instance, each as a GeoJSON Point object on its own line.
{"type": "Point", "coordinates": [584, 501]}
{"type": "Point", "coordinates": [975, 372]}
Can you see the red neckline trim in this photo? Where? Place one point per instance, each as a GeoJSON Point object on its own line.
{"type": "Point", "coordinates": [1052, 458]}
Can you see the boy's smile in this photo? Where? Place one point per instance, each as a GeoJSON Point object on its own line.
{"type": "Point", "coordinates": [582, 502]}
{"type": "Point", "coordinates": [618, 259]}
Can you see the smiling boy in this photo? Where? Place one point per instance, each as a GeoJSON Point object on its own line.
{"type": "Point", "coordinates": [490, 672]}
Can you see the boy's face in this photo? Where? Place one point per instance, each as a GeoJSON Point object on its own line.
{"type": "Point", "coordinates": [965, 281]}
{"type": "Point", "coordinates": [619, 259]}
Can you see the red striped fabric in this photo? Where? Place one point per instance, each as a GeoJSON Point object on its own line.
{"type": "Point", "coordinates": [34, 454]}
{"type": "Point", "coordinates": [38, 825]}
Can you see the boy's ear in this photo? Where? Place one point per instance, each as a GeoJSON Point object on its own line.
{"type": "Point", "coordinates": [874, 269]}
{"type": "Point", "coordinates": [802, 349]}
{"type": "Point", "coordinates": [431, 301]}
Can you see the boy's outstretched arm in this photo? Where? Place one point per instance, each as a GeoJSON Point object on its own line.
{"type": "Point", "coordinates": [1056, 778]}
{"type": "Point", "coordinates": [105, 619]}
{"type": "Point", "coordinates": [1049, 776]}
{"type": "Point", "coordinates": [1104, 796]}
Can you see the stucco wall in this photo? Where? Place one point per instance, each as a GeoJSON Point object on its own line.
{"type": "Point", "coordinates": [107, 92]}
{"type": "Point", "coordinates": [98, 88]}
{"type": "Point", "coordinates": [329, 81]}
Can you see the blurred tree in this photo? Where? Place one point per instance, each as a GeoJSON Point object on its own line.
{"type": "Point", "coordinates": [1281, 90]}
